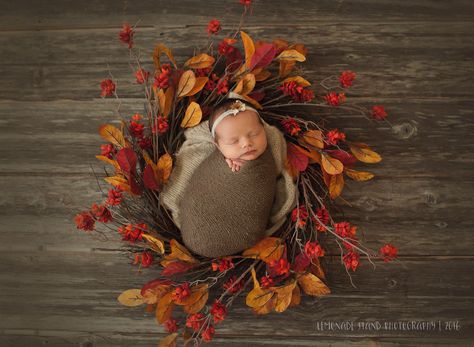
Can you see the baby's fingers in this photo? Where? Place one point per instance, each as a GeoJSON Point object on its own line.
{"type": "Point", "coordinates": [229, 162]}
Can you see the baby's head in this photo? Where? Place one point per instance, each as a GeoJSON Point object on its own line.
{"type": "Point", "coordinates": [239, 136]}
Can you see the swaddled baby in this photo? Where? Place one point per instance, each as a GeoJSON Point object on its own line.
{"type": "Point", "coordinates": [228, 201]}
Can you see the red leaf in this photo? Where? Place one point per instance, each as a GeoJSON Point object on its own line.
{"type": "Point", "coordinates": [127, 160]}
{"type": "Point", "coordinates": [296, 158]}
{"type": "Point", "coordinates": [176, 267]}
{"type": "Point", "coordinates": [134, 187]}
{"type": "Point", "coordinates": [301, 262]}
{"type": "Point", "coordinates": [257, 95]}
{"type": "Point", "coordinates": [327, 177]}
{"type": "Point", "coordinates": [155, 283]}
{"type": "Point", "coordinates": [149, 178]}
{"type": "Point", "coordinates": [263, 56]}
{"type": "Point", "coordinates": [344, 157]}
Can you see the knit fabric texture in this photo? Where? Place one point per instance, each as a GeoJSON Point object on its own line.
{"type": "Point", "coordinates": [226, 212]}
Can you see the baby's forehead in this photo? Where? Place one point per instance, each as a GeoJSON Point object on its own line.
{"type": "Point", "coordinates": [238, 123]}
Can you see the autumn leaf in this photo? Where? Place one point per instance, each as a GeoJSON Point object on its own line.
{"type": "Point", "coordinates": [173, 267]}
{"type": "Point", "coordinates": [192, 116]}
{"type": "Point", "coordinates": [262, 75]}
{"type": "Point", "coordinates": [245, 85]}
{"type": "Point", "coordinates": [156, 244]}
{"type": "Point", "coordinates": [300, 80]}
{"type": "Point", "coordinates": [291, 54]}
{"type": "Point", "coordinates": [200, 61]}
{"type": "Point", "coordinates": [312, 285]}
{"type": "Point", "coordinates": [249, 48]}
{"type": "Point", "coordinates": [359, 175]}
{"type": "Point", "coordinates": [344, 157]}
{"type": "Point", "coordinates": [285, 67]}
{"type": "Point", "coordinates": [263, 56]}
{"type": "Point", "coordinates": [127, 160]}
{"type": "Point", "coordinates": [163, 168]}
{"type": "Point", "coordinates": [149, 179]}
{"type": "Point", "coordinates": [363, 152]}
{"type": "Point", "coordinates": [186, 83]}
{"type": "Point", "coordinates": [195, 295]}
{"type": "Point", "coordinates": [283, 297]}
{"type": "Point", "coordinates": [258, 297]}
{"type": "Point", "coordinates": [199, 304]}
{"type": "Point", "coordinates": [331, 165]}
{"type": "Point", "coordinates": [131, 297]}
{"type": "Point", "coordinates": [164, 307]}
{"type": "Point", "coordinates": [252, 101]}
{"type": "Point", "coordinates": [119, 181]}
{"type": "Point", "coordinates": [180, 252]}
{"type": "Point", "coordinates": [169, 97]}
{"type": "Point", "coordinates": [159, 49]}
{"type": "Point", "coordinates": [200, 83]}
{"type": "Point", "coordinates": [109, 161]}
{"type": "Point", "coordinates": [112, 134]}
{"type": "Point", "coordinates": [295, 296]}
{"type": "Point", "coordinates": [268, 249]}
{"type": "Point", "coordinates": [157, 285]}
{"type": "Point", "coordinates": [335, 186]}
{"type": "Point", "coordinates": [169, 341]}
{"type": "Point", "coordinates": [296, 157]}
{"type": "Point", "coordinates": [160, 94]}
{"type": "Point", "coordinates": [316, 269]}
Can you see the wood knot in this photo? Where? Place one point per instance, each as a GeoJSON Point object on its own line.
{"type": "Point", "coordinates": [404, 130]}
{"type": "Point", "coordinates": [430, 198]}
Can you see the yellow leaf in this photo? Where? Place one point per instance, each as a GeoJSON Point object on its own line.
{"type": "Point", "coordinates": [314, 138]}
{"type": "Point", "coordinates": [245, 85]}
{"type": "Point", "coordinates": [263, 75]}
{"type": "Point", "coordinates": [164, 307]}
{"type": "Point", "coordinates": [159, 49]}
{"type": "Point", "coordinates": [169, 98]}
{"type": "Point", "coordinates": [298, 79]}
{"type": "Point", "coordinates": [362, 152]}
{"type": "Point", "coordinates": [283, 297]}
{"type": "Point", "coordinates": [285, 67]}
{"type": "Point", "coordinates": [163, 168]}
{"type": "Point", "coordinates": [119, 181]}
{"type": "Point", "coordinates": [169, 341]}
{"type": "Point", "coordinates": [112, 134]}
{"type": "Point", "coordinates": [359, 175]}
{"type": "Point", "coordinates": [161, 100]}
{"type": "Point", "coordinates": [249, 48]}
{"type": "Point", "coordinates": [110, 161]}
{"type": "Point", "coordinates": [200, 61]}
{"type": "Point", "coordinates": [295, 296]}
{"type": "Point", "coordinates": [186, 83]}
{"type": "Point", "coordinates": [312, 285]}
{"type": "Point", "coordinates": [291, 54]}
{"type": "Point", "coordinates": [192, 116]}
{"type": "Point", "coordinates": [200, 83]}
{"type": "Point", "coordinates": [258, 297]}
{"type": "Point", "coordinates": [268, 249]}
{"type": "Point", "coordinates": [253, 102]}
{"type": "Point", "coordinates": [335, 185]}
{"type": "Point", "coordinates": [331, 165]}
{"type": "Point", "coordinates": [178, 251]}
{"type": "Point", "coordinates": [155, 243]}
{"type": "Point", "coordinates": [131, 297]}
{"type": "Point", "coordinates": [265, 309]}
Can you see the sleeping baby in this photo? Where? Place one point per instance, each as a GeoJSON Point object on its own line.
{"type": "Point", "coordinates": [228, 201]}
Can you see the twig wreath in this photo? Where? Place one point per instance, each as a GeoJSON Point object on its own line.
{"type": "Point", "coordinates": [266, 75]}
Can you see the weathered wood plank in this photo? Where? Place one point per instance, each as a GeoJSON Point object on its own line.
{"type": "Point", "coordinates": [81, 276]}
{"type": "Point", "coordinates": [57, 14]}
{"type": "Point", "coordinates": [61, 137]}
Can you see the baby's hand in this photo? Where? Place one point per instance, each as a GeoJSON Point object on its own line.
{"type": "Point", "coordinates": [235, 164]}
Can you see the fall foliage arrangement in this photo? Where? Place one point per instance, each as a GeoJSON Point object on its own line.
{"type": "Point", "coordinates": [272, 274]}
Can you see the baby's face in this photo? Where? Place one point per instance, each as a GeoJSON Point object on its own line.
{"type": "Point", "coordinates": [241, 136]}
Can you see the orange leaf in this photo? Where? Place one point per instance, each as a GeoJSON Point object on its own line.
{"type": "Point", "coordinates": [280, 44]}
{"type": "Point", "coordinates": [112, 134]}
{"type": "Point", "coordinates": [180, 252]}
{"type": "Point", "coordinates": [285, 67]}
{"type": "Point", "coordinates": [262, 75]}
{"type": "Point", "coordinates": [245, 85]}
{"type": "Point", "coordinates": [131, 297]}
{"type": "Point", "coordinates": [316, 269]}
{"type": "Point", "coordinates": [362, 152]}
{"type": "Point", "coordinates": [200, 61]}
{"type": "Point", "coordinates": [331, 165]}
{"type": "Point", "coordinates": [359, 175]}
{"type": "Point", "coordinates": [283, 297]}
{"type": "Point", "coordinates": [119, 181]}
{"type": "Point", "coordinates": [197, 306]}
{"type": "Point", "coordinates": [110, 161]}
{"type": "Point", "coordinates": [291, 54]}
{"type": "Point", "coordinates": [312, 285]}
{"type": "Point", "coordinates": [164, 307]}
{"type": "Point", "coordinates": [192, 116]}
{"type": "Point", "coordinates": [336, 185]}
{"type": "Point", "coordinates": [159, 49]}
{"type": "Point", "coordinates": [249, 48]}
{"type": "Point", "coordinates": [295, 296]}
{"type": "Point", "coordinates": [156, 244]}
{"type": "Point", "coordinates": [268, 249]}
{"type": "Point", "coordinates": [258, 297]}
{"type": "Point", "coordinates": [253, 102]}
{"type": "Point", "coordinates": [163, 168]}
{"type": "Point", "coordinates": [169, 98]}
{"type": "Point", "coordinates": [314, 138]}
{"type": "Point", "coordinates": [195, 295]}
{"type": "Point", "coordinates": [186, 83]}
{"type": "Point", "coordinates": [298, 79]}
{"type": "Point", "coordinates": [161, 99]}
{"type": "Point", "coordinates": [169, 341]}
{"type": "Point", "coordinates": [200, 83]}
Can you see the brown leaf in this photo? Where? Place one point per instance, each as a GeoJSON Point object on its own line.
{"type": "Point", "coordinates": [245, 85]}
{"type": "Point", "coordinates": [156, 244]}
{"type": "Point", "coordinates": [331, 165]}
{"type": "Point", "coordinates": [163, 168]}
{"type": "Point", "coordinates": [112, 134]}
{"type": "Point", "coordinates": [268, 249]}
{"type": "Point", "coordinates": [262, 75]}
{"type": "Point", "coordinates": [200, 83]}
{"type": "Point", "coordinates": [198, 305]}
{"type": "Point", "coordinates": [180, 252]}
{"type": "Point", "coordinates": [164, 307]}
{"type": "Point", "coordinates": [169, 341]}
{"type": "Point", "coordinates": [169, 98]}
{"type": "Point", "coordinates": [192, 116]}
{"type": "Point", "coordinates": [285, 67]}
{"type": "Point", "coordinates": [335, 186]}
{"type": "Point", "coordinates": [119, 181]}
{"type": "Point", "coordinates": [161, 99]}
{"type": "Point", "coordinates": [249, 48]}
{"type": "Point", "coordinates": [314, 138]}
{"type": "Point", "coordinates": [291, 54]}
{"type": "Point", "coordinates": [252, 101]}
{"type": "Point", "coordinates": [258, 297]}
{"type": "Point", "coordinates": [312, 285]}
{"type": "Point", "coordinates": [316, 269]}
{"type": "Point", "coordinates": [295, 296]}
{"type": "Point", "coordinates": [362, 152]}
{"type": "Point", "coordinates": [186, 83]}
{"type": "Point", "coordinates": [283, 297]}
{"type": "Point", "coordinates": [159, 49]}
{"type": "Point", "coordinates": [200, 61]}
{"type": "Point", "coordinates": [131, 297]}
{"type": "Point", "coordinates": [359, 175]}
{"type": "Point", "coordinates": [265, 309]}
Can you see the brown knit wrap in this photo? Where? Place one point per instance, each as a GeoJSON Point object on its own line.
{"type": "Point", "coordinates": [226, 212]}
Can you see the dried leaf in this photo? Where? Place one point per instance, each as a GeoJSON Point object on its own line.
{"type": "Point", "coordinates": [262, 75]}
{"type": "Point", "coordinates": [186, 83]}
{"type": "Point", "coordinates": [296, 157]}
{"type": "Point", "coordinates": [180, 252]}
{"type": "Point", "coordinates": [312, 285]}
{"type": "Point", "coordinates": [283, 297]}
{"type": "Point", "coordinates": [268, 249]}
{"type": "Point", "coordinates": [192, 116]}
{"type": "Point", "coordinates": [265, 309]}
{"type": "Point", "coordinates": [331, 165]}
{"type": "Point", "coordinates": [173, 267]}
{"type": "Point", "coordinates": [169, 98]}
{"type": "Point", "coordinates": [291, 54]}
{"type": "Point", "coordinates": [112, 134]}
{"type": "Point", "coordinates": [263, 56]}
{"type": "Point", "coordinates": [156, 244]}
{"type": "Point", "coordinates": [163, 168]}
{"type": "Point", "coordinates": [161, 99]}
{"type": "Point", "coordinates": [300, 80]}
{"type": "Point", "coordinates": [200, 83]}
{"type": "Point", "coordinates": [131, 297]}
{"type": "Point", "coordinates": [245, 85]}
{"type": "Point", "coordinates": [195, 295]}
{"type": "Point", "coordinates": [159, 49]}
{"type": "Point", "coordinates": [335, 186]}
{"type": "Point", "coordinates": [198, 305]}
{"type": "Point", "coordinates": [252, 101]}
{"type": "Point", "coordinates": [362, 152]}
{"type": "Point", "coordinates": [295, 296]}
{"type": "Point", "coordinates": [149, 179]}
{"type": "Point", "coordinates": [164, 307]}
{"type": "Point", "coordinates": [258, 297]}
{"type": "Point", "coordinates": [169, 341]}
{"type": "Point", "coordinates": [200, 61]}
{"type": "Point", "coordinates": [109, 161]}
{"type": "Point", "coordinates": [316, 269]}
{"type": "Point", "coordinates": [249, 48]}
{"type": "Point", "coordinates": [119, 181]}
{"type": "Point", "coordinates": [359, 175]}
{"type": "Point", "coordinates": [127, 160]}
{"type": "Point", "coordinates": [286, 66]}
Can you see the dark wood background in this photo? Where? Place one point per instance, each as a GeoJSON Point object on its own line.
{"type": "Point", "coordinates": [59, 286]}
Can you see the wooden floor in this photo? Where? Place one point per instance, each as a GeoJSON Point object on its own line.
{"type": "Point", "coordinates": [59, 287]}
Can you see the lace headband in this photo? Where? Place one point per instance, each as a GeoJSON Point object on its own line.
{"type": "Point", "coordinates": [236, 107]}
